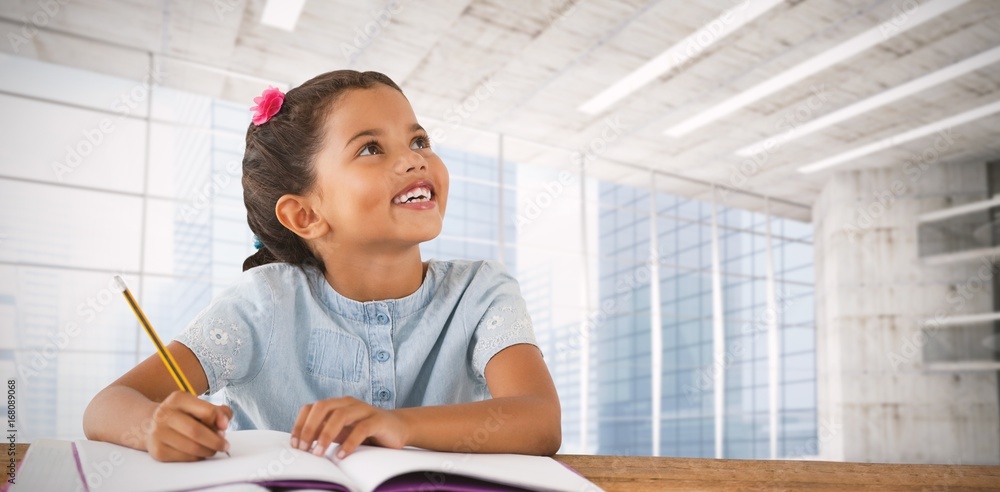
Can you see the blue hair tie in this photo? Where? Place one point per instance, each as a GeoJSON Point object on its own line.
{"type": "Point", "coordinates": [256, 242]}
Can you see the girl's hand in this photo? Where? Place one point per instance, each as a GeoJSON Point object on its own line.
{"type": "Point", "coordinates": [349, 422]}
{"type": "Point", "coordinates": [186, 428]}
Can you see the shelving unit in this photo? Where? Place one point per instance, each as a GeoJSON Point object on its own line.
{"type": "Point", "coordinates": [962, 257]}
{"type": "Point", "coordinates": [961, 235]}
{"type": "Point", "coordinates": [967, 319]}
{"type": "Point", "coordinates": [966, 366]}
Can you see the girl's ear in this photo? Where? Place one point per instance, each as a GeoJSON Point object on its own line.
{"type": "Point", "coordinates": [296, 213]}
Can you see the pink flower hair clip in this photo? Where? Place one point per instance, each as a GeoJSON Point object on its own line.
{"type": "Point", "coordinates": [267, 106]}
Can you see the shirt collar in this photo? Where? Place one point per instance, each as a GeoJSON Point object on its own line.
{"type": "Point", "coordinates": [368, 311]}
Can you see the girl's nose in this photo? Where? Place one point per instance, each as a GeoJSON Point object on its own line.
{"type": "Point", "coordinates": [410, 161]}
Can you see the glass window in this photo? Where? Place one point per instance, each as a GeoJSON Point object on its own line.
{"type": "Point", "coordinates": [81, 147]}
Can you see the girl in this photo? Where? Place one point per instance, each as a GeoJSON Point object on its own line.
{"type": "Point", "coordinates": [337, 332]}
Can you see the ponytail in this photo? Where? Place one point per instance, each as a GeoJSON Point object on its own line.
{"type": "Point", "coordinates": [263, 256]}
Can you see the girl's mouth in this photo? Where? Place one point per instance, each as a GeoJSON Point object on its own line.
{"type": "Point", "coordinates": [419, 198]}
{"type": "Point", "coordinates": [419, 204]}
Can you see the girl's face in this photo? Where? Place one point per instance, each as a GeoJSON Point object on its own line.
{"type": "Point", "coordinates": [372, 151]}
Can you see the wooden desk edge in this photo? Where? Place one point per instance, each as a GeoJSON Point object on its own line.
{"type": "Point", "coordinates": [642, 473]}
{"type": "Point", "coordinates": [613, 472]}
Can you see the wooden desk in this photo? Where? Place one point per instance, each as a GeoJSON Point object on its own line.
{"type": "Point", "coordinates": [640, 474]}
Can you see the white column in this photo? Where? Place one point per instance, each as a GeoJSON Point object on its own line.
{"type": "Point", "coordinates": [718, 332]}
{"type": "Point", "coordinates": [655, 328]}
{"type": "Point", "coordinates": [500, 218]}
{"type": "Point", "coordinates": [141, 281]}
{"type": "Point", "coordinates": [585, 322]}
{"type": "Point", "coordinates": [773, 345]}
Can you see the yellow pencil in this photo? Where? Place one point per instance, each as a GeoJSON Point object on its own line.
{"type": "Point", "coordinates": [168, 360]}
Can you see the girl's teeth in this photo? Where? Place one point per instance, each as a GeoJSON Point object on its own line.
{"type": "Point", "coordinates": [413, 196]}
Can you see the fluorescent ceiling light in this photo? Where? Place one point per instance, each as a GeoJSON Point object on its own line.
{"type": "Point", "coordinates": [684, 50]}
{"type": "Point", "coordinates": [883, 32]}
{"type": "Point", "coordinates": [283, 14]}
{"type": "Point", "coordinates": [904, 137]}
{"type": "Point", "coordinates": [950, 72]}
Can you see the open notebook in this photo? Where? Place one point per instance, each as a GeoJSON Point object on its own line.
{"type": "Point", "coordinates": [265, 458]}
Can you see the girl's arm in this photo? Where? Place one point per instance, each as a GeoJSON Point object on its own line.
{"type": "Point", "coordinates": [522, 417]}
{"type": "Point", "coordinates": [145, 410]}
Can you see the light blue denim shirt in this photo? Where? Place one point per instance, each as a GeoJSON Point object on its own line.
{"type": "Point", "coordinates": [282, 337]}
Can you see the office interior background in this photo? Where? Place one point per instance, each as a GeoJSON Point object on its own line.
{"type": "Point", "coordinates": [744, 229]}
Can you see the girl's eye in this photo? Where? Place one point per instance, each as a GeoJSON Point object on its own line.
{"type": "Point", "coordinates": [370, 148]}
{"type": "Point", "coordinates": [421, 143]}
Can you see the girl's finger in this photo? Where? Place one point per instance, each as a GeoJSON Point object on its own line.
{"type": "Point", "coordinates": [315, 418]}
{"type": "Point", "coordinates": [223, 415]}
{"type": "Point", "coordinates": [184, 445]}
{"type": "Point", "coordinates": [312, 417]}
{"type": "Point", "coordinates": [362, 430]}
{"type": "Point", "coordinates": [300, 421]}
{"type": "Point", "coordinates": [162, 452]}
{"type": "Point", "coordinates": [313, 425]}
{"type": "Point", "coordinates": [335, 423]}
{"type": "Point", "coordinates": [192, 405]}
{"type": "Point", "coordinates": [197, 433]}
{"type": "Point", "coordinates": [343, 434]}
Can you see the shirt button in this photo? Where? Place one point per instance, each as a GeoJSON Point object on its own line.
{"type": "Point", "coordinates": [384, 394]}
{"type": "Point", "coordinates": [381, 356]}
{"type": "Point", "coordinates": [382, 319]}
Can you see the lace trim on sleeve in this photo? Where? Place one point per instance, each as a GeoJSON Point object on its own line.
{"type": "Point", "coordinates": [493, 336]}
{"type": "Point", "coordinates": [220, 347]}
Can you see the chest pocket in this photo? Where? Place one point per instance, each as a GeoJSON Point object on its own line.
{"type": "Point", "coordinates": [335, 355]}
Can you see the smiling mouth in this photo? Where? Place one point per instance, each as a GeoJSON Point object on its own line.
{"type": "Point", "coordinates": [421, 194]}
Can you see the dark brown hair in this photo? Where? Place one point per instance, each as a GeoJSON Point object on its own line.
{"type": "Point", "coordinates": [278, 161]}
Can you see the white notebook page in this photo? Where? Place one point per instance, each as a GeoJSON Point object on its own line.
{"type": "Point", "coordinates": [258, 455]}
{"type": "Point", "coordinates": [371, 465]}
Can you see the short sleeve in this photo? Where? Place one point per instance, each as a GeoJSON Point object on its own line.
{"type": "Point", "coordinates": [231, 336]}
{"type": "Point", "coordinates": [505, 321]}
